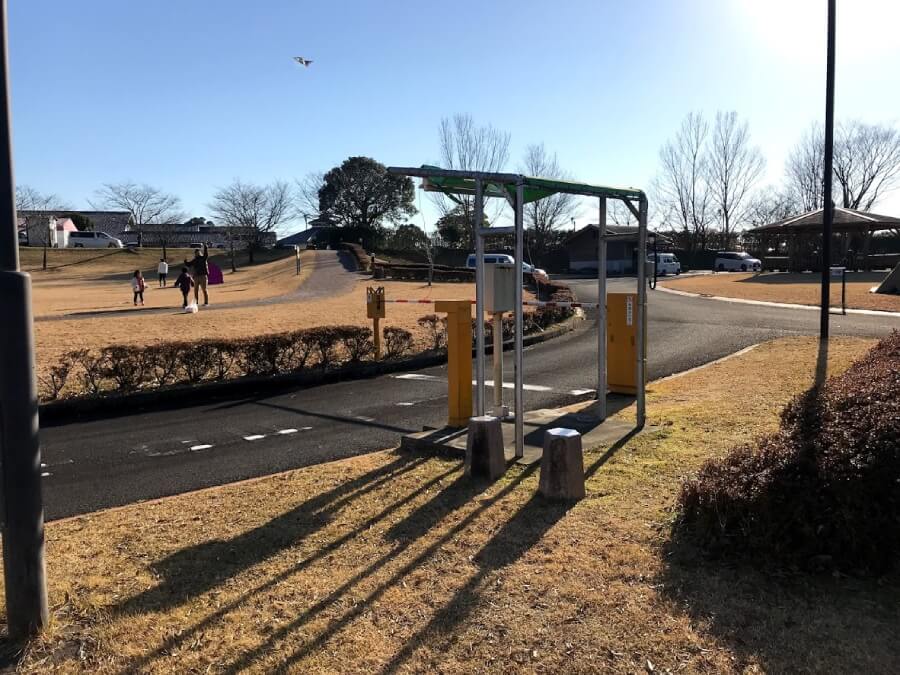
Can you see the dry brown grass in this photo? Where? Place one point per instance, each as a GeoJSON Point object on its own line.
{"type": "Point", "coordinates": [54, 338]}
{"type": "Point", "coordinates": [393, 562]}
{"type": "Point", "coordinates": [801, 289]}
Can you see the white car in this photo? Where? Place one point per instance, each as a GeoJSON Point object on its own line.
{"type": "Point", "coordinates": [93, 240]}
{"type": "Point", "coordinates": [734, 261]}
{"type": "Point", "coordinates": [666, 263]}
{"type": "Point", "coordinates": [503, 258]}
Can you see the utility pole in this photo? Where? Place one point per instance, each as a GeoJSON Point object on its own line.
{"type": "Point", "coordinates": [827, 204]}
{"type": "Point", "coordinates": [20, 453]}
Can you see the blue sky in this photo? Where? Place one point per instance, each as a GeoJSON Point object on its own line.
{"type": "Point", "coordinates": [187, 95]}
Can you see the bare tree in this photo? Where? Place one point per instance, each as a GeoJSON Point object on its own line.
{"type": "Point", "coordinates": [734, 168]}
{"type": "Point", "coordinates": [619, 214]}
{"type": "Point", "coordinates": [466, 146]}
{"type": "Point", "coordinates": [866, 163]}
{"type": "Point", "coordinates": [146, 204]}
{"type": "Point", "coordinates": [682, 186]}
{"type": "Point", "coordinates": [805, 169]}
{"type": "Point", "coordinates": [545, 215]}
{"type": "Point", "coordinates": [306, 203]}
{"type": "Point", "coordinates": [250, 211]}
{"type": "Point", "coordinates": [770, 205]}
{"type": "Point", "coordinates": [37, 227]}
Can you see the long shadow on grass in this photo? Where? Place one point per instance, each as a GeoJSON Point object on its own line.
{"type": "Point", "coordinates": [360, 607]}
{"type": "Point", "coordinates": [514, 539]}
{"type": "Point", "coordinates": [205, 565]}
{"type": "Point", "coordinates": [197, 569]}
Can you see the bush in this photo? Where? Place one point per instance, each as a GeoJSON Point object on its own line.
{"type": "Point", "coordinates": [437, 330]}
{"type": "Point", "coordinates": [197, 359]}
{"type": "Point", "coordinates": [824, 490]}
{"type": "Point", "coordinates": [128, 367]}
{"type": "Point", "coordinates": [165, 365]}
{"type": "Point", "coordinates": [92, 369]}
{"type": "Point", "coordinates": [324, 341]}
{"type": "Point", "coordinates": [359, 255]}
{"type": "Point", "coordinates": [55, 381]}
{"type": "Point", "coordinates": [357, 342]}
{"type": "Point", "coordinates": [397, 341]}
{"type": "Point", "coordinates": [262, 354]}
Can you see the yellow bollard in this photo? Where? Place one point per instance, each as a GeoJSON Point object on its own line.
{"type": "Point", "coordinates": [375, 311]}
{"type": "Point", "coordinates": [621, 350]}
{"type": "Point", "coordinates": [459, 359]}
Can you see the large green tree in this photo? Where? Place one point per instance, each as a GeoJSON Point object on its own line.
{"type": "Point", "coordinates": [361, 193]}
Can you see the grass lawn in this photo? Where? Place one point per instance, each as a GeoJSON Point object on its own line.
{"type": "Point", "coordinates": [801, 289]}
{"type": "Point", "coordinates": [394, 562]}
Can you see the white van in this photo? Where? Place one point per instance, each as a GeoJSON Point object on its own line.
{"type": "Point", "coordinates": [503, 258]}
{"type": "Point", "coordinates": [736, 261]}
{"type": "Point", "coordinates": [666, 263]}
{"type": "Point", "coordinates": [93, 240]}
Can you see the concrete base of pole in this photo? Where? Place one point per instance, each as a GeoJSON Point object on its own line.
{"type": "Point", "coordinates": [562, 465]}
{"type": "Point", "coordinates": [484, 448]}
{"type": "Point", "coordinates": [22, 503]}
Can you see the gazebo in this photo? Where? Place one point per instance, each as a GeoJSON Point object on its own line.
{"type": "Point", "coordinates": [795, 243]}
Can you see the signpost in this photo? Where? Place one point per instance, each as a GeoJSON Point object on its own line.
{"type": "Point", "coordinates": [841, 272]}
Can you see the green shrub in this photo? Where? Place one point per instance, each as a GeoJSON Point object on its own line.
{"type": "Point", "coordinates": [824, 491]}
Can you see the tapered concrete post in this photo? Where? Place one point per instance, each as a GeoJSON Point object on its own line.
{"type": "Point", "coordinates": [484, 448]}
{"type": "Point", "coordinates": [562, 465]}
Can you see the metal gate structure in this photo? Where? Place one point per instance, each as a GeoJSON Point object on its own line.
{"type": "Point", "coordinates": [519, 190]}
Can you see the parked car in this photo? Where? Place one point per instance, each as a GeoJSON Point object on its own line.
{"type": "Point", "coordinates": [736, 261]}
{"type": "Point", "coordinates": [93, 240]}
{"type": "Point", "coordinates": [503, 258]}
{"type": "Point", "coordinates": [23, 238]}
{"type": "Point", "coordinates": [666, 263]}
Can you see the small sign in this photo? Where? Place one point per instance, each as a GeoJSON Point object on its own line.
{"type": "Point", "coordinates": [629, 310]}
{"type": "Point", "coordinates": [838, 271]}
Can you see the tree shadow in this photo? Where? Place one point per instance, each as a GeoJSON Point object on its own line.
{"type": "Point", "coordinates": [197, 569]}
{"type": "Point", "coordinates": [363, 605]}
{"type": "Point", "coordinates": [517, 536]}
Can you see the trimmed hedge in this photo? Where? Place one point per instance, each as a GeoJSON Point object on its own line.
{"type": "Point", "coordinates": [824, 491]}
{"type": "Point", "coordinates": [127, 368]}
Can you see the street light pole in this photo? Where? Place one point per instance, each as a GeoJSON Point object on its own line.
{"type": "Point", "coordinates": [827, 205]}
{"type": "Point", "coordinates": [20, 454]}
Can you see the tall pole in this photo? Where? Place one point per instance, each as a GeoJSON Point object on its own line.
{"type": "Point", "coordinates": [479, 299]}
{"type": "Point", "coordinates": [20, 455]}
{"type": "Point", "coordinates": [827, 205]}
{"type": "Point", "coordinates": [519, 361]}
{"type": "Point", "coordinates": [601, 309]}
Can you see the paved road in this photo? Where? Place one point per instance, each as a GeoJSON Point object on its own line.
{"type": "Point", "coordinates": [97, 464]}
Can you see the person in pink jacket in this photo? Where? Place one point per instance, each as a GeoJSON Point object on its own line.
{"type": "Point", "coordinates": [137, 285]}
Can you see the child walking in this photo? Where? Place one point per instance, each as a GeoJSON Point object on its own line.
{"type": "Point", "coordinates": [184, 282]}
{"type": "Point", "coordinates": [137, 285]}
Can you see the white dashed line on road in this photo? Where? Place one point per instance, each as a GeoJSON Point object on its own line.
{"type": "Point", "coordinates": [202, 446]}
{"type": "Point", "coordinates": [406, 403]}
{"type": "Point", "coordinates": [285, 432]}
{"type": "Point", "coordinates": [416, 376]}
{"type": "Point", "coordinates": [582, 392]}
{"type": "Point", "coordinates": [45, 474]}
{"type": "Point", "coordinates": [254, 437]}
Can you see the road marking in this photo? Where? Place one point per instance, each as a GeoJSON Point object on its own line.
{"type": "Point", "coordinates": [582, 392]}
{"type": "Point", "coordinates": [285, 432]}
{"type": "Point", "coordinates": [254, 437]}
{"type": "Point", "coordinates": [406, 403]}
{"type": "Point", "coordinates": [511, 385]}
{"type": "Point", "coordinates": [363, 418]}
{"type": "Point", "coordinates": [45, 474]}
{"type": "Point", "coordinates": [416, 376]}
{"type": "Point", "coordinates": [202, 446]}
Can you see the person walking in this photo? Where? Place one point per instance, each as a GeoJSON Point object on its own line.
{"type": "Point", "coordinates": [200, 266]}
{"type": "Point", "coordinates": [137, 285]}
{"type": "Point", "coordinates": [183, 283]}
{"type": "Point", "coordinates": [163, 270]}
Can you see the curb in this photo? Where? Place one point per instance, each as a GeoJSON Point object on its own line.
{"type": "Point", "coordinates": [784, 305]}
{"type": "Point", "coordinates": [117, 405]}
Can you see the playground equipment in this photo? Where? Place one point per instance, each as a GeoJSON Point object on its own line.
{"type": "Point", "coordinates": [519, 190]}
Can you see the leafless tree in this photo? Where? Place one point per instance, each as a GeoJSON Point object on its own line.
{"type": "Point", "coordinates": [682, 185]}
{"type": "Point", "coordinates": [734, 168]}
{"type": "Point", "coordinates": [542, 217]}
{"type": "Point", "coordinates": [866, 163]}
{"type": "Point", "coordinates": [38, 228]}
{"type": "Point", "coordinates": [805, 169]}
{"type": "Point", "coordinates": [251, 211]}
{"type": "Point", "coordinates": [770, 205]}
{"type": "Point", "coordinates": [146, 204]}
{"type": "Point", "coordinates": [306, 202]}
{"type": "Point", "coordinates": [466, 146]}
{"type": "Point", "coordinates": [619, 214]}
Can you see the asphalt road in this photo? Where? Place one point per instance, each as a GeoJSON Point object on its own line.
{"type": "Point", "coordinates": [101, 463]}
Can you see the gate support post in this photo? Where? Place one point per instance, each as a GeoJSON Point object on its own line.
{"type": "Point", "coordinates": [459, 359]}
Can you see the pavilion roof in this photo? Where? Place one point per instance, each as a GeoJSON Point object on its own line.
{"type": "Point", "coordinates": [845, 220]}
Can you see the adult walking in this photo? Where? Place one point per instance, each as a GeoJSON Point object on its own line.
{"type": "Point", "coordinates": [200, 267]}
{"type": "Point", "coordinates": [163, 270]}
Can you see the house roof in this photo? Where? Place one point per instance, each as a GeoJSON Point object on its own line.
{"type": "Point", "coordinates": [618, 232]}
{"type": "Point", "coordinates": [104, 221]}
{"type": "Point", "coordinates": [845, 220]}
{"type": "Point", "coordinates": [302, 237]}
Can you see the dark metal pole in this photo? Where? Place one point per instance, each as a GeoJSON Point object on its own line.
{"type": "Point", "coordinates": [827, 205]}
{"type": "Point", "coordinates": [20, 455]}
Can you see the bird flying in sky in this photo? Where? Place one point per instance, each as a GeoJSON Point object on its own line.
{"type": "Point", "coordinates": [302, 61]}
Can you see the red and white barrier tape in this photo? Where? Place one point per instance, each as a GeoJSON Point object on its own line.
{"type": "Point", "coordinates": [530, 303]}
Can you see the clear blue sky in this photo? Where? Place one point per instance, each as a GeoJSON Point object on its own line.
{"type": "Point", "coordinates": [187, 96]}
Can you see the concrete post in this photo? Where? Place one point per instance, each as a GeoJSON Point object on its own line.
{"type": "Point", "coordinates": [484, 448]}
{"type": "Point", "coordinates": [497, 358]}
{"type": "Point", "coordinates": [562, 465]}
